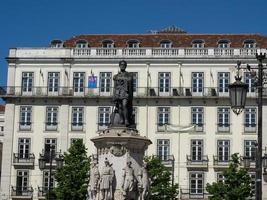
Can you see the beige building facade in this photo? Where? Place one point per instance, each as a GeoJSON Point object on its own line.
{"type": "Point", "coordinates": [57, 94]}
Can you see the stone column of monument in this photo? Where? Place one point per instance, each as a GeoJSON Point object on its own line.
{"type": "Point", "coordinates": [120, 148]}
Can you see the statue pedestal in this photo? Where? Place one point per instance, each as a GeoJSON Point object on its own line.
{"type": "Point", "coordinates": [119, 145]}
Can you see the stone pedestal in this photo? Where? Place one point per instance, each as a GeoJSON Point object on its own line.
{"type": "Point", "coordinates": [118, 146]}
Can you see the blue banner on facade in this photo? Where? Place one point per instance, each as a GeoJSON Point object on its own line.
{"type": "Point", "coordinates": [92, 82]}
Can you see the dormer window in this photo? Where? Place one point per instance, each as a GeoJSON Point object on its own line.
{"type": "Point", "coordinates": [133, 44]}
{"type": "Point", "coordinates": [224, 44]}
{"type": "Point", "coordinates": [198, 44]}
{"type": "Point", "coordinates": [56, 44]}
{"type": "Point", "coordinates": [82, 44]}
{"type": "Point", "coordinates": [249, 44]}
{"type": "Point", "coordinates": [165, 44]}
{"type": "Point", "coordinates": [108, 44]}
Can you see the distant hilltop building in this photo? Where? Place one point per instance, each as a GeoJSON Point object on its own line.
{"type": "Point", "coordinates": [63, 92]}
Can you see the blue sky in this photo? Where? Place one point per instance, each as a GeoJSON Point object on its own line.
{"type": "Point", "coordinates": [34, 23]}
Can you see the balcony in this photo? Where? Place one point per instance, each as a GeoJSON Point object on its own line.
{"type": "Point", "coordinates": [45, 156]}
{"type": "Point", "coordinates": [51, 126]}
{"type": "Point", "coordinates": [221, 162]}
{"type": "Point", "coordinates": [79, 126]}
{"type": "Point", "coordinates": [197, 163]}
{"type": "Point", "coordinates": [20, 193]}
{"type": "Point", "coordinates": [248, 162]}
{"type": "Point", "coordinates": [167, 160]}
{"type": "Point", "coordinates": [200, 193]}
{"type": "Point", "coordinates": [140, 92]}
{"type": "Point", "coordinates": [103, 126]}
{"type": "Point", "coordinates": [250, 128]}
{"type": "Point", "coordinates": [25, 126]}
{"type": "Point", "coordinates": [42, 192]}
{"type": "Point", "coordinates": [223, 128]}
{"type": "Point", "coordinates": [23, 161]}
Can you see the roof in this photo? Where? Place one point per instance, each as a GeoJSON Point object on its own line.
{"type": "Point", "coordinates": [177, 39]}
{"type": "Point", "coordinates": [2, 108]}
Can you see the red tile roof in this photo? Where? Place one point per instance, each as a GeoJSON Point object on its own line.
{"type": "Point", "coordinates": [2, 108]}
{"type": "Point", "coordinates": [178, 39]}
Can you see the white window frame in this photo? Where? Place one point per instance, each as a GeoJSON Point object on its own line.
{"type": "Point", "coordinates": [25, 122]}
{"type": "Point", "coordinates": [250, 149]}
{"type": "Point", "coordinates": [163, 117]}
{"type": "Point", "coordinates": [27, 83]}
{"type": "Point", "coordinates": [163, 149]}
{"type": "Point", "coordinates": [51, 123]}
{"type": "Point", "coordinates": [250, 119]}
{"type": "Point", "coordinates": [104, 114]}
{"type": "Point", "coordinates": [196, 183]}
{"type": "Point", "coordinates": [223, 83]}
{"type": "Point", "coordinates": [24, 148]}
{"type": "Point", "coordinates": [223, 150]}
{"type": "Point", "coordinates": [197, 148]}
{"type": "Point", "coordinates": [77, 118]}
{"type": "Point", "coordinates": [164, 83]}
{"type": "Point", "coordinates": [78, 83]}
{"type": "Point", "coordinates": [197, 83]}
{"type": "Point", "coordinates": [223, 116]}
{"type": "Point", "coordinates": [197, 118]}
{"type": "Point", "coordinates": [53, 82]}
{"type": "Point", "coordinates": [105, 83]}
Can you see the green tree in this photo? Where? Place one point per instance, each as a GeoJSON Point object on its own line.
{"type": "Point", "coordinates": [161, 187]}
{"type": "Point", "coordinates": [237, 184]}
{"type": "Point", "coordinates": [72, 178]}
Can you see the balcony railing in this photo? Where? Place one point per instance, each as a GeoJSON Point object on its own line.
{"type": "Point", "coordinates": [21, 192]}
{"type": "Point", "coordinates": [223, 127]}
{"type": "Point", "coordinates": [23, 160]}
{"type": "Point", "coordinates": [221, 161]}
{"type": "Point", "coordinates": [140, 92]}
{"type": "Point", "coordinates": [46, 157]}
{"type": "Point", "coordinates": [167, 160]}
{"type": "Point", "coordinates": [250, 128]}
{"type": "Point", "coordinates": [42, 192]}
{"type": "Point", "coordinates": [199, 193]}
{"type": "Point", "coordinates": [197, 162]}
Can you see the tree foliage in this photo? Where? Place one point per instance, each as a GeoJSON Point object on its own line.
{"type": "Point", "coordinates": [72, 178]}
{"type": "Point", "coordinates": [161, 187]}
{"type": "Point", "coordinates": [236, 185]}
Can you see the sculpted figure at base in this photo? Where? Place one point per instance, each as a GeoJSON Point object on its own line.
{"type": "Point", "coordinates": [143, 183]}
{"type": "Point", "coordinates": [129, 182]}
{"type": "Point", "coordinates": [123, 97]}
{"type": "Point", "coordinates": [94, 180]}
{"type": "Point", "coordinates": [106, 180]}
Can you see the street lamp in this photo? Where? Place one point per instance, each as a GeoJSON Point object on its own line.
{"type": "Point", "coordinates": [238, 91]}
{"type": "Point", "coordinates": [45, 158]}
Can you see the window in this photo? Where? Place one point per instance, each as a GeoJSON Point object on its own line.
{"type": "Point", "coordinates": [133, 44]}
{"type": "Point", "coordinates": [50, 145]}
{"type": "Point", "coordinates": [108, 44]}
{"type": "Point", "coordinates": [135, 81]}
{"type": "Point", "coordinates": [163, 149]}
{"type": "Point", "coordinates": [223, 119]}
{"type": "Point", "coordinates": [53, 82]}
{"type": "Point", "coordinates": [22, 182]}
{"type": "Point", "coordinates": [78, 81]}
{"type": "Point", "coordinates": [198, 117]}
{"type": "Point", "coordinates": [51, 118]}
{"type": "Point", "coordinates": [249, 44]}
{"type": "Point", "coordinates": [81, 44]}
{"type": "Point", "coordinates": [24, 148]}
{"type": "Point", "coordinates": [77, 119]}
{"type": "Point", "coordinates": [163, 117]}
{"type": "Point", "coordinates": [25, 118]}
{"type": "Point", "coordinates": [197, 150]}
{"type": "Point", "coordinates": [103, 117]}
{"type": "Point", "coordinates": [27, 82]}
{"type": "Point", "coordinates": [223, 81]}
{"type": "Point", "coordinates": [196, 183]}
{"type": "Point", "coordinates": [56, 44]}
{"type": "Point", "coordinates": [223, 150]}
{"type": "Point", "coordinates": [46, 178]}
{"type": "Point", "coordinates": [197, 82]}
{"type": "Point", "coordinates": [165, 44]}
{"type": "Point", "coordinates": [2, 128]}
{"type": "Point", "coordinates": [250, 119]}
{"type": "Point", "coordinates": [198, 44]}
{"type": "Point", "coordinates": [105, 82]}
{"type": "Point", "coordinates": [250, 149]}
{"type": "Point", "coordinates": [223, 44]}
{"type": "Point", "coordinates": [164, 82]}
{"type": "Point", "coordinates": [250, 81]}
{"type": "Point", "coordinates": [220, 178]}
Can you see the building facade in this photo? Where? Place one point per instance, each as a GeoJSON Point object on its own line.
{"type": "Point", "coordinates": [57, 94]}
{"type": "Point", "coordinates": [2, 125]}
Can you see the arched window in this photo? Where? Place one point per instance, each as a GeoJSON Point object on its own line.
{"type": "Point", "coordinates": [56, 44]}
{"type": "Point", "coordinates": [198, 44]}
{"type": "Point", "coordinates": [165, 44]}
{"type": "Point", "coordinates": [249, 44]}
{"type": "Point", "coordinates": [133, 44]}
{"type": "Point", "coordinates": [223, 44]}
{"type": "Point", "coordinates": [81, 44]}
{"type": "Point", "coordinates": [108, 44]}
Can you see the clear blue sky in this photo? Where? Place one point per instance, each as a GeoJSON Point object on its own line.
{"type": "Point", "coordinates": [34, 23]}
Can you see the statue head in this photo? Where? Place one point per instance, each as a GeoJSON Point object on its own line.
{"type": "Point", "coordinates": [129, 163]}
{"type": "Point", "coordinates": [106, 162]}
{"type": "Point", "coordinates": [122, 65]}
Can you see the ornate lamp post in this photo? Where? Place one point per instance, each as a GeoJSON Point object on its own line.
{"type": "Point", "coordinates": [238, 91]}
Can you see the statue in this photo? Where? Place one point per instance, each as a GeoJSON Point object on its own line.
{"type": "Point", "coordinates": [128, 182]}
{"type": "Point", "coordinates": [106, 181]}
{"type": "Point", "coordinates": [143, 183]}
{"type": "Point", "coordinates": [94, 180]}
{"type": "Point", "coordinates": [122, 97]}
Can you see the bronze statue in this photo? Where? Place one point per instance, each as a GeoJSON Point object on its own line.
{"type": "Point", "coordinates": [122, 97]}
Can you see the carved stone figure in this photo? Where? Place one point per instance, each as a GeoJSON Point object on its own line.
{"type": "Point", "coordinates": [143, 183]}
{"type": "Point", "coordinates": [122, 97]}
{"type": "Point", "coordinates": [106, 180]}
{"type": "Point", "coordinates": [129, 182]}
{"type": "Point", "coordinates": [94, 180]}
